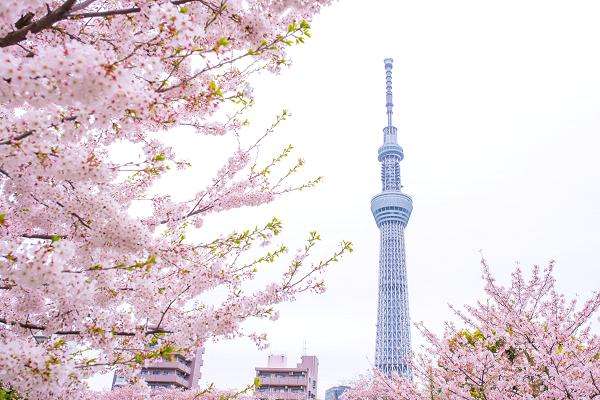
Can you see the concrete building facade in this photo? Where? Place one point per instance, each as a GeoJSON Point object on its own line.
{"type": "Point", "coordinates": [280, 382]}
{"type": "Point", "coordinates": [178, 372]}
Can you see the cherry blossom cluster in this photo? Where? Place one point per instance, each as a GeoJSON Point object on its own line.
{"type": "Point", "coordinates": [85, 285]}
{"type": "Point", "coordinates": [142, 392]}
{"type": "Point", "coordinates": [525, 341]}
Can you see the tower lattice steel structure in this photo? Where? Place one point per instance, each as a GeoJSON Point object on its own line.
{"type": "Point", "coordinates": [391, 209]}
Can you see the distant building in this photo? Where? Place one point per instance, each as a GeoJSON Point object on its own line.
{"type": "Point", "coordinates": [179, 372]}
{"type": "Point", "coordinates": [279, 382]}
{"type": "Point", "coordinates": [335, 393]}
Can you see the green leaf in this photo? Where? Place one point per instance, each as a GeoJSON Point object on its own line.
{"type": "Point", "coordinates": [256, 382]}
{"type": "Point", "coordinates": [184, 10]}
{"type": "Point", "coordinates": [55, 238]}
{"type": "Point", "coordinates": [167, 351]}
{"type": "Point", "coordinates": [7, 395]}
{"type": "Point", "coordinates": [223, 41]}
{"type": "Point", "coordinates": [215, 89]}
{"type": "Point", "coordinates": [2, 218]}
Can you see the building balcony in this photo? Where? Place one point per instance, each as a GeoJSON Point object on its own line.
{"type": "Point", "coordinates": [172, 378]}
{"type": "Point", "coordinates": [175, 365]}
{"type": "Point", "coordinates": [280, 395]}
{"type": "Point", "coordinates": [284, 380]}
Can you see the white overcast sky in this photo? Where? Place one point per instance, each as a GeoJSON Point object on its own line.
{"type": "Point", "coordinates": [498, 109]}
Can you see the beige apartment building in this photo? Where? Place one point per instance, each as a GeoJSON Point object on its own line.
{"type": "Point", "coordinates": [280, 382]}
{"type": "Point", "coordinates": [178, 372]}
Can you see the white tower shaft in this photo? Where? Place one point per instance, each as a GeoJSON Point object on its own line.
{"type": "Point", "coordinates": [391, 209]}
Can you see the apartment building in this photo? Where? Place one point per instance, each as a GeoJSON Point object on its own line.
{"type": "Point", "coordinates": [178, 372]}
{"type": "Point", "coordinates": [280, 382]}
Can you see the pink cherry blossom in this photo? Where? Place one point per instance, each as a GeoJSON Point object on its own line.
{"type": "Point", "coordinates": [524, 341]}
{"type": "Point", "coordinates": [86, 286]}
{"type": "Point", "coordinates": [142, 392]}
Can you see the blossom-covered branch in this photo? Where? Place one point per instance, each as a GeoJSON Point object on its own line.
{"type": "Point", "coordinates": [85, 284]}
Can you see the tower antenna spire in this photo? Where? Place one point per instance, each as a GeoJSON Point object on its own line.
{"type": "Point", "coordinates": [389, 105]}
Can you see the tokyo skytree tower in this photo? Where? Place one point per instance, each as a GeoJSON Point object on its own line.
{"type": "Point", "coordinates": [391, 209]}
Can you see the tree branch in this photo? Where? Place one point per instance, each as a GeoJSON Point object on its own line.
{"type": "Point", "coordinates": [43, 237]}
{"type": "Point", "coordinates": [22, 136]}
{"type": "Point", "coordinates": [77, 332]}
{"type": "Point", "coordinates": [16, 138]}
{"type": "Point", "coordinates": [132, 10]}
{"type": "Point", "coordinates": [169, 306]}
{"type": "Point", "coordinates": [45, 22]}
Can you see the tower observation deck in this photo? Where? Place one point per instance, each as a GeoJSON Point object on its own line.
{"type": "Point", "coordinates": [391, 209]}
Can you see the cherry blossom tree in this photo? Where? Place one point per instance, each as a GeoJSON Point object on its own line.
{"type": "Point", "coordinates": [525, 341]}
{"type": "Point", "coordinates": [86, 286]}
